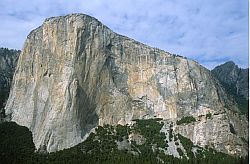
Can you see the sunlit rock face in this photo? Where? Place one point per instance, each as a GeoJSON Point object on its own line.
{"type": "Point", "coordinates": [74, 74]}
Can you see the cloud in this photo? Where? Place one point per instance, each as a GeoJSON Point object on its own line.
{"type": "Point", "coordinates": [210, 32]}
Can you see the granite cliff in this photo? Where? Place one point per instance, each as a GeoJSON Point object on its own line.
{"type": "Point", "coordinates": [74, 74]}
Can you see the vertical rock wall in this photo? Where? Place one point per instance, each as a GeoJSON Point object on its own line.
{"type": "Point", "coordinates": [74, 74]}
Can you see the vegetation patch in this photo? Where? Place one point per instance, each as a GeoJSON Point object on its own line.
{"type": "Point", "coordinates": [150, 129]}
{"type": "Point", "coordinates": [170, 132]}
{"type": "Point", "coordinates": [180, 151]}
{"type": "Point", "coordinates": [185, 120]}
{"type": "Point", "coordinates": [16, 146]}
{"type": "Point", "coordinates": [208, 116]}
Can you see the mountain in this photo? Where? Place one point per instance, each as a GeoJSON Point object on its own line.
{"type": "Point", "coordinates": [235, 80]}
{"type": "Point", "coordinates": [8, 62]}
{"type": "Point", "coordinates": [75, 74]}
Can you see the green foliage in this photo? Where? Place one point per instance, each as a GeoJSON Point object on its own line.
{"type": "Point", "coordinates": [187, 144]}
{"type": "Point", "coordinates": [6, 51]}
{"type": "Point", "coordinates": [4, 93]}
{"type": "Point", "coordinates": [208, 116]}
{"type": "Point", "coordinates": [16, 146]}
{"type": "Point", "coordinates": [180, 152]}
{"type": "Point", "coordinates": [185, 120]}
{"type": "Point", "coordinates": [170, 132]}
{"type": "Point", "coordinates": [122, 131]}
{"type": "Point", "coordinates": [150, 129]}
{"type": "Point", "coordinates": [3, 97]}
{"type": "Point", "coordinates": [16, 143]}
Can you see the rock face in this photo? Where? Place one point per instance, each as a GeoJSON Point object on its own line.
{"type": "Point", "coordinates": [8, 61]}
{"type": "Point", "coordinates": [230, 74]}
{"type": "Point", "coordinates": [235, 81]}
{"type": "Point", "coordinates": [74, 74]}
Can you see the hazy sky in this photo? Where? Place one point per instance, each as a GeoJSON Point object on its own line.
{"type": "Point", "coordinates": [211, 32]}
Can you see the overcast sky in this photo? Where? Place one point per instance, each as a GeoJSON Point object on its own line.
{"type": "Point", "coordinates": [211, 32]}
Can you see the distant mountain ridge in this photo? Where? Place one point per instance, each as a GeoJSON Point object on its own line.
{"type": "Point", "coordinates": [235, 80]}
{"type": "Point", "coordinates": [8, 62]}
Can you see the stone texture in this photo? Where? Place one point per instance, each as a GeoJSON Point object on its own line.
{"type": "Point", "coordinates": [230, 74]}
{"type": "Point", "coordinates": [74, 73]}
{"type": "Point", "coordinates": [215, 132]}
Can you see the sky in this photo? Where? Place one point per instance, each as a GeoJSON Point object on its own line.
{"type": "Point", "coordinates": [210, 32]}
